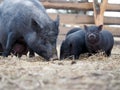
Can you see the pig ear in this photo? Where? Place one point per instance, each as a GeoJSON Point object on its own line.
{"type": "Point", "coordinates": [85, 27]}
{"type": "Point", "coordinates": [35, 26]}
{"type": "Point", "coordinates": [100, 27]}
{"type": "Point", "coordinates": [57, 20]}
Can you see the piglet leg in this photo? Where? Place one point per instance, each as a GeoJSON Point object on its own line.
{"type": "Point", "coordinates": [10, 41]}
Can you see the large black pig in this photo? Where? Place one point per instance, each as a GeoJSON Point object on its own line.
{"type": "Point", "coordinates": [28, 19]}
{"type": "Point", "coordinates": [73, 45]}
{"type": "Point", "coordinates": [98, 40]}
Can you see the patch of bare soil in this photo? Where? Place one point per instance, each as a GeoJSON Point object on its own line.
{"type": "Point", "coordinates": [88, 73]}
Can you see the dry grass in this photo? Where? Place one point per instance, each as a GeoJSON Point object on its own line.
{"type": "Point", "coordinates": [93, 73]}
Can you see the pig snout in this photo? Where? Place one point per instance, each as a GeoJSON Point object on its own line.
{"type": "Point", "coordinates": [91, 37]}
{"type": "Point", "coordinates": [54, 57]}
{"type": "Point", "coordinates": [53, 54]}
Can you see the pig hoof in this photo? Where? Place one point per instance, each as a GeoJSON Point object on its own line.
{"type": "Point", "coordinates": [52, 59]}
{"type": "Point", "coordinates": [30, 56]}
{"type": "Point", "coordinates": [4, 55]}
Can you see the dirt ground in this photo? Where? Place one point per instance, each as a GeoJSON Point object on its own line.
{"type": "Point", "coordinates": [94, 73]}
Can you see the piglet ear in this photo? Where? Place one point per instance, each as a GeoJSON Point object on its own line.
{"type": "Point", "coordinates": [100, 27]}
{"type": "Point", "coordinates": [57, 21]}
{"type": "Point", "coordinates": [85, 27]}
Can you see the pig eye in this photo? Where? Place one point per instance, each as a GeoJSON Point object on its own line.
{"type": "Point", "coordinates": [96, 33]}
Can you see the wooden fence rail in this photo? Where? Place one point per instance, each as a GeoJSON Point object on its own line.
{"type": "Point", "coordinates": [77, 19]}
{"type": "Point", "coordinates": [84, 19]}
{"type": "Point", "coordinates": [79, 6]}
{"type": "Point", "coordinates": [64, 1]}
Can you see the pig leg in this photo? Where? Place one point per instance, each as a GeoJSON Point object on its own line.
{"type": "Point", "coordinates": [108, 53]}
{"type": "Point", "coordinates": [1, 50]}
{"type": "Point", "coordinates": [76, 54]}
{"type": "Point", "coordinates": [75, 51]}
{"type": "Point", "coordinates": [62, 52]}
{"type": "Point", "coordinates": [31, 54]}
{"type": "Point", "coordinates": [10, 40]}
{"type": "Point", "coordinates": [19, 55]}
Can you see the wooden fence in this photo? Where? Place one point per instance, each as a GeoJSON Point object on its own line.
{"type": "Point", "coordinates": [78, 19]}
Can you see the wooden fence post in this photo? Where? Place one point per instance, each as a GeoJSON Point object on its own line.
{"type": "Point", "coordinates": [99, 11]}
